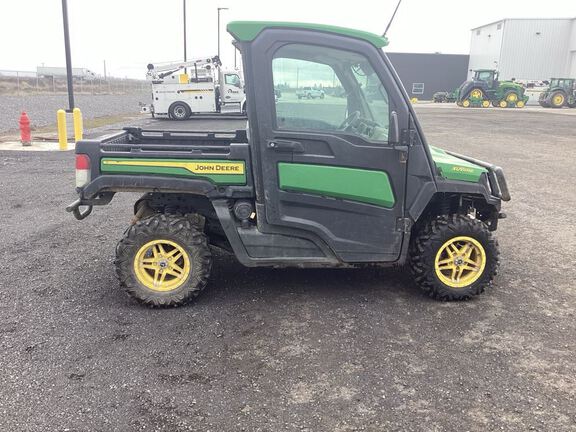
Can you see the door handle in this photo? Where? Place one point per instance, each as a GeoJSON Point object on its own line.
{"type": "Point", "coordinates": [285, 146]}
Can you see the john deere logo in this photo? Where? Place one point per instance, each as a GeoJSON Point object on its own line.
{"type": "Point", "coordinates": [462, 169]}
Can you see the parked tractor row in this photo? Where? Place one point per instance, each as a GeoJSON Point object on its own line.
{"type": "Point", "coordinates": [485, 90]}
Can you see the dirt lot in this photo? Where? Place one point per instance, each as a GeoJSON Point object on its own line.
{"type": "Point", "coordinates": [312, 350]}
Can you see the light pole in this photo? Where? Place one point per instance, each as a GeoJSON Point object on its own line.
{"type": "Point", "coordinates": [184, 17]}
{"type": "Point", "coordinates": [219, 9]}
{"type": "Point", "coordinates": [69, 81]}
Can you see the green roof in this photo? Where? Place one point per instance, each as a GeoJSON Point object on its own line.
{"type": "Point", "coordinates": [247, 31]}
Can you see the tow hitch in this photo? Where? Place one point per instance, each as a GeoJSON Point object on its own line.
{"type": "Point", "coordinates": [74, 208]}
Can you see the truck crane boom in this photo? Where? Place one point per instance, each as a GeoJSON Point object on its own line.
{"type": "Point", "coordinates": [158, 73]}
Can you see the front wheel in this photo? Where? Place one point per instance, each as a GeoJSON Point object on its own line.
{"type": "Point", "coordinates": [163, 260]}
{"type": "Point", "coordinates": [454, 257]}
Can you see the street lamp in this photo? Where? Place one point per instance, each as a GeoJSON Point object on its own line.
{"type": "Point", "coordinates": [219, 9]}
{"type": "Point", "coordinates": [184, 16]}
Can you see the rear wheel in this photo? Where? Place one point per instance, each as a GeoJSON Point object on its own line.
{"type": "Point", "coordinates": [179, 111]}
{"type": "Point", "coordinates": [454, 257]}
{"type": "Point", "coordinates": [163, 261]}
{"type": "Point", "coordinates": [520, 104]}
{"type": "Point", "coordinates": [485, 104]}
{"type": "Point", "coordinates": [557, 99]}
{"type": "Point", "coordinates": [466, 103]}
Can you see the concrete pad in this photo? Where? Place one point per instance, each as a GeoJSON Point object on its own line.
{"type": "Point", "coordinates": [35, 146]}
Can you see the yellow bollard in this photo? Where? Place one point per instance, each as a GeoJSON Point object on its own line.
{"type": "Point", "coordinates": [62, 132]}
{"type": "Point", "coordinates": [78, 124]}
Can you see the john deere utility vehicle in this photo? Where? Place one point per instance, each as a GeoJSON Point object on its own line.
{"type": "Point", "coordinates": [561, 92]}
{"type": "Point", "coordinates": [346, 181]}
{"type": "Point", "coordinates": [484, 90]}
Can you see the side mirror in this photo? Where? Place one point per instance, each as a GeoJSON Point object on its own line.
{"type": "Point", "coordinates": [393, 130]}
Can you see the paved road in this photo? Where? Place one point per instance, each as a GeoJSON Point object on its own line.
{"type": "Point", "coordinates": [274, 350]}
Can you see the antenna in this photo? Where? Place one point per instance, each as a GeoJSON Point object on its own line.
{"type": "Point", "coordinates": [392, 19]}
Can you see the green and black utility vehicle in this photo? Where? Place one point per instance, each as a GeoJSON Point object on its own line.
{"type": "Point", "coordinates": [484, 89]}
{"type": "Point", "coordinates": [561, 92]}
{"type": "Point", "coordinates": [341, 182]}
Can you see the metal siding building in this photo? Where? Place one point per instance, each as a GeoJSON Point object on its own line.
{"type": "Point", "coordinates": [425, 74]}
{"type": "Point", "coordinates": [526, 49]}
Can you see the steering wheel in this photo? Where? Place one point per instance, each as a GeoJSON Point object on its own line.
{"type": "Point", "coordinates": [349, 120]}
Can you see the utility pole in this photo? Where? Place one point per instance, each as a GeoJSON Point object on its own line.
{"type": "Point", "coordinates": [219, 9]}
{"type": "Point", "coordinates": [70, 83]}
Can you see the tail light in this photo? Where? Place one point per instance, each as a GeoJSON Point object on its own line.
{"type": "Point", "coordinates": [82, 170]}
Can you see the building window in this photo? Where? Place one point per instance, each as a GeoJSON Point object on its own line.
{"type": "Point", "coordinates": [499, 26]}
{"type": "Point", "coordinates": [418, 88]}
{"type": "Point", "coordinates": [478, 32]}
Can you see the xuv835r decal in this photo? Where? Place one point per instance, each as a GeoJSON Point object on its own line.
{"type": "Point", "coordinates": [222, 172]}
{"type": "Point", "coordinates": [354, 184]}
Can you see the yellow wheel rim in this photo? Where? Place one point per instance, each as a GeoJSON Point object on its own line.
{"type": "Point", "coordinates": [558, 100]}
{"type": "Point", "coordinates": [520, 104]}
{"type": "Point", "coordinates": [162, 265]}
{"type": "Point", "coordinates": [466, 103]}
{"type": "Point", "coordinates": [460, 262]}
{"type": "Point", "coordinates": [512, 97]}
{"type": "Point", "coordinates": [485, 104]}
{"type": "Point", "coordinates": [476, 94]}
{"type": "Point", "coordinates": [503, 104]}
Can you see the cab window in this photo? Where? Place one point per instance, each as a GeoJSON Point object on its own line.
{"type": "Point", "coordinates": [232, 79]}
{"type": "Point", "coordinates": [485, 76]}
{"type": "Point", "coordinates": [326, 89]}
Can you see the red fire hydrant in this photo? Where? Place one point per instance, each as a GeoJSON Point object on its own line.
{"type": "Point", "coordinates": [25, 129]}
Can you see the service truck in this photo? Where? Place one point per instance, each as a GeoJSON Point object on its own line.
{"type": "Point", "coordinates": [344, 182]}
{"type": "Point", "coordinates": [198, 86]}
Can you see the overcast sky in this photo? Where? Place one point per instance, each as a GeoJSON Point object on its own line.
{"type": "Point", "coordinates": [129, 34]}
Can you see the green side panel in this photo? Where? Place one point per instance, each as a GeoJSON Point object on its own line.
{"type": "Point", "coordinates": [453, 168]}
{"type": "Point", "coordinates": [147, 167]}
{"type": "Point", "coordinates": [367, 186]}
{"type": "Point", "coordinates": [247, 31]}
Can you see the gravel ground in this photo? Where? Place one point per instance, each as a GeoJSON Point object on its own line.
{"type": "Point", "coordinates": [42, 108]}
{"type": "Point", "coordinates": [313, 350]}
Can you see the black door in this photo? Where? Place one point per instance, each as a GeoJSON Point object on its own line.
{"type": "Point", "coordinates": [327, 163]}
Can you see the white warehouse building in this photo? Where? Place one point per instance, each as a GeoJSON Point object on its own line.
{"type": "Point", "coordinates": [526, 49]}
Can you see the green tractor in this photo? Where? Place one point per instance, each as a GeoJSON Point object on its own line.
{"type": "Point", "coordinates": [484, 89]}
{"type": "Point", "coordinates": [444, 96]}
{"type": "Point", "coordinates": [561, 92]}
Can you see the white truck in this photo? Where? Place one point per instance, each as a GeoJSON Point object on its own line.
{"type": "Point", "coordinates": [79, 73]}
{"type": "Point", "coordinates": [199, 86]}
